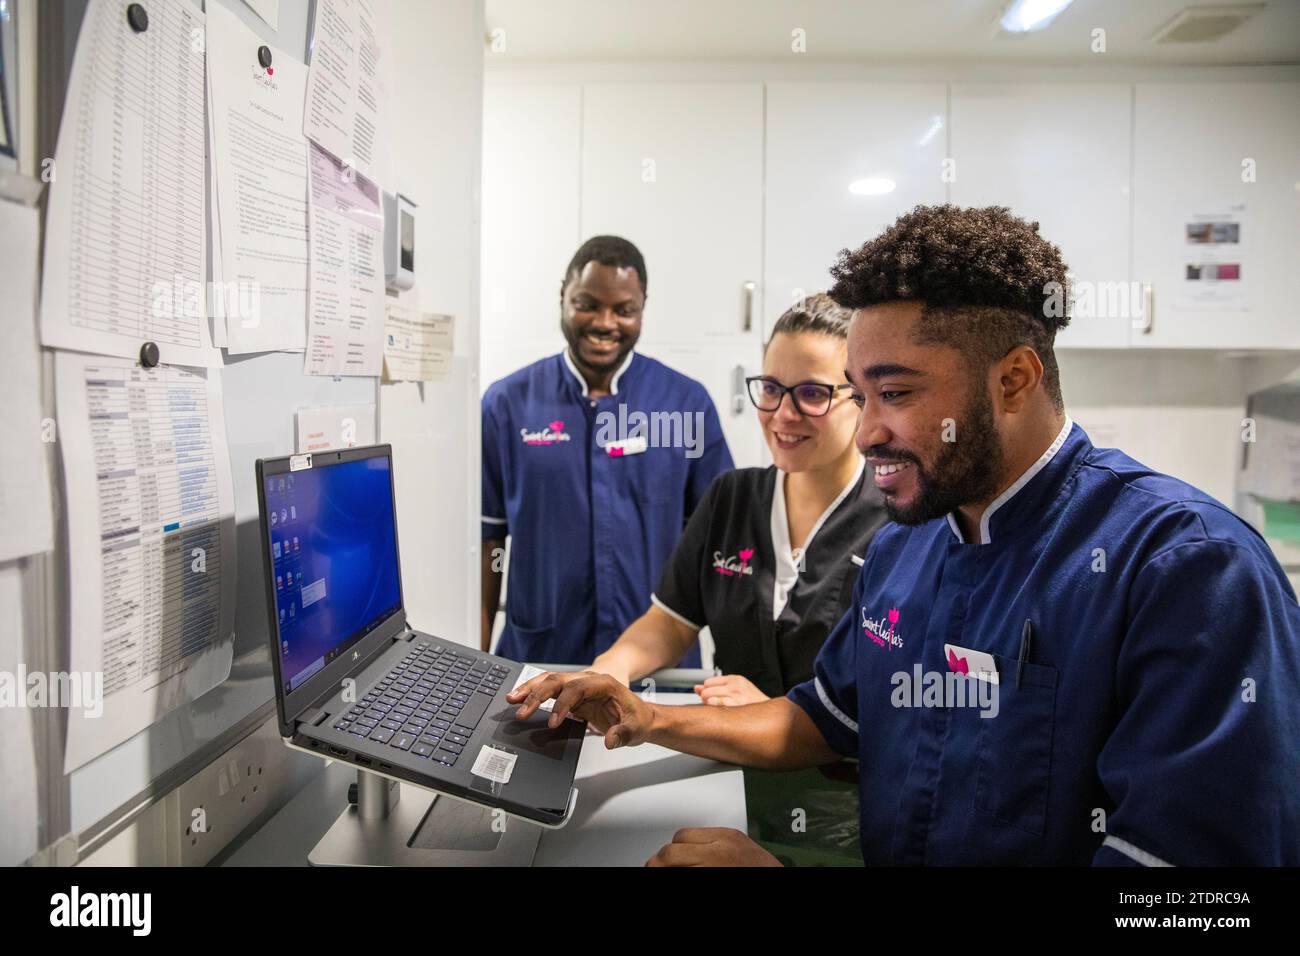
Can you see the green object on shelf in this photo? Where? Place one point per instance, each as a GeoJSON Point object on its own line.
{"type": "Point", "coordinates": [1282, 520]}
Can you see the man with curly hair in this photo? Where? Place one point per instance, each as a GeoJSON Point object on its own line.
{"type": "Point", "coordinates": [1056, 655]}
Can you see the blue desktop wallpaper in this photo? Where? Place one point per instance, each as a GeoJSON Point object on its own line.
{"type": "Point", "coordinates": [334, 552]}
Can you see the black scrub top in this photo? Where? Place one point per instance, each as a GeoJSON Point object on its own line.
{"type": "Point", "coordinates": [723, 572]}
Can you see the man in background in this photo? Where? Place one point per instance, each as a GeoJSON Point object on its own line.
{"type": "Point", "coordinates": [593, 460]}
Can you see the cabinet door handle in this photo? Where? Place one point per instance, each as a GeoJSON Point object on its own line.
{"type": "Point", "coordinates": [738, 389]}
{"type": "Point", "coordinates": [1144, 322]}
{"type": "Point", "coordinates": [747, 323]}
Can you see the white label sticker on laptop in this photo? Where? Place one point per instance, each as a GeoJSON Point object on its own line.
{"type": "Point", "coordinates": [527, 674]}
{"type": "Point", "coordinates": [496, 765]}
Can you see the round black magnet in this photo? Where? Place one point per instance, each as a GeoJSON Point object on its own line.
{"type": "Point", "coordinates": [138, 17]}
{"type": "Point", "coordinates": [264, 56]}
{"type": "Point", "coordinates": [149, 355]}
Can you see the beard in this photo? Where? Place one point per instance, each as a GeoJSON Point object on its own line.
{"type": "Point", "coordinates": [964, 471]}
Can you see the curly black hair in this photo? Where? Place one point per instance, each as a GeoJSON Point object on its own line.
{"type": "Point", "coordinates": [988, 281]}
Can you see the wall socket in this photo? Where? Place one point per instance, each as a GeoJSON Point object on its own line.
{"type": "Point", "coordinates": [238, 788]}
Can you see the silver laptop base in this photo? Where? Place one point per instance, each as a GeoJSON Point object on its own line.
{"type": "Point", "coordinates": [397, 824]}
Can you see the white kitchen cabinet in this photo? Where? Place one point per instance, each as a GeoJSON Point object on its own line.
{"type": "Point", "coordinates": [1058, 154]}
{"type": "Point", "coordinates": [822, 138]}
{"type": "Point", "coordinates": [531, 164]}
{"type": "Point", "coordinates": [677, 168]}
{"type": "Point", "coordinates": [1193, 143]}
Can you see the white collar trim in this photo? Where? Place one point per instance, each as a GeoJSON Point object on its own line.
{"type": "Point", "coordinates": [1019, 483]}
{"type": "Point", "coordinates": [613, 382]}
{"type": "Point", "coordinates": [787, 570]}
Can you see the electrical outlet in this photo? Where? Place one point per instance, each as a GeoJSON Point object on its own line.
{"type": "Point", "coordinates": [215, 805]}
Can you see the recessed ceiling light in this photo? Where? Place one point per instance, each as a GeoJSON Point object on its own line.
{"type": "Point", "coordinates": [872, 186]}
{"type": "Point", "coordinates": [1026, 16]}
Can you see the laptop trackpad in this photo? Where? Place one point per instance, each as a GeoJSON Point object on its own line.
{"type": "Point", "coordinates": [532, 734]}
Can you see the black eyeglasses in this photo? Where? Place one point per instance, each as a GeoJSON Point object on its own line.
{"type": "Point", "coordinates": [812, 399]}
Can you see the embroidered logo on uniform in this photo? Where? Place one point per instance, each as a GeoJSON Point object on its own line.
{"type": "Point", "coordinates": [734, 566]}
{"type": "Point", "coordinates": [879, 634]}
{"type": "Point", "coordinates": [552, 433]}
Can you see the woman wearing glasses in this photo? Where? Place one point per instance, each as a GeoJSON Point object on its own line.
{"type": "Point", "coordinates": [769, 556]}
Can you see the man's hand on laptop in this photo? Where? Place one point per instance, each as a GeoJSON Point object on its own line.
{"type": "Point", "coordinates": [604, 702]}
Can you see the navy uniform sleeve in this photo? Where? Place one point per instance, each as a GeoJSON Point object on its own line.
{"type": "Point", "coordinates": [714, 458]}
{"type": "Point", "coordinates": [831, 697]}
{"type": "Point", "coordinates": [493, 511]}
{"type": "Point", "coordinates": [1201, 763]}
{"type": "Point", "coordinates": [678, 592]}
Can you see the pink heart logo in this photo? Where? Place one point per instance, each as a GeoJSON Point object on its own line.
{"type": "Point", "coordinates": [557, 426]}
{"type": "Point", "coordinates": [957, 664]}
{"type": "Point", "coordinates": [893, 616]}
{"type": "Point", "coordinates": [746, 554]}
{"type": "Point", "coordinates": [614, 452]}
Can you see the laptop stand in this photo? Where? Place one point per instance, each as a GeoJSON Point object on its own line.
{"type": "Point", "coordinates": [390, 823]}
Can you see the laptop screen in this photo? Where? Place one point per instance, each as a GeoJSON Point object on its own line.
{"type": "Point", "coordinates": [334, 557]}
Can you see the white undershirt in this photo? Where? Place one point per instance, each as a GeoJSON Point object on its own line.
{"type": "Point", "coordinates": [787, 573]}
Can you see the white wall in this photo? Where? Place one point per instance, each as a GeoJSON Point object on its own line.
{"type": "Point", "coordinates": [436, 106]}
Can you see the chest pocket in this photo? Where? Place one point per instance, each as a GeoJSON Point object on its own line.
{"type": "Point", "coordinates": [1014, 766]}
{"type": "Point", "coordinates": [655, 476]}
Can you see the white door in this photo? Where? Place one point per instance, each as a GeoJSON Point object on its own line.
{"type": "Point", "coordinates": [531, 142]}
{"type": "Point", "coordinates": [822, 139]}
{"type": "Point", "coordinates": [677, 169]}
{"type": "Point", "coordinates": [1216, 204]}
{"type": "Point", "coordinates": [1059, 155]}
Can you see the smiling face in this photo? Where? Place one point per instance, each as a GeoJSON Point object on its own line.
{"type": "Point", "coordinates": [600, 315]}
{"type": "Point", "coordinates": [799, 442]}
{"type": "Point", "coordinates": [908, 391]}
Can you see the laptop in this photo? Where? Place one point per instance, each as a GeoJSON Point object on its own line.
{"type": "Point", "coordinates": [354, 682]}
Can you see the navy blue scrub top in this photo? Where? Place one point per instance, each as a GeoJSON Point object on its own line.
{"type": "Point", "coordinates": [1154, 720]}
{"type": "Point", "coordinates": [591, 525]}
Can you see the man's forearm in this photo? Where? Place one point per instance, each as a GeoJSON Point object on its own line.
{"type": "Point", "coordinates": [773, 735]}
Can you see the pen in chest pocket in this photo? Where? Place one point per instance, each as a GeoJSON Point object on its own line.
{"type": "Point", "coordinates": [1026, 638]}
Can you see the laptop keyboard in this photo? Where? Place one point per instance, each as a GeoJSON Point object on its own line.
{"type": "Point", "coordinates": [428, 704]}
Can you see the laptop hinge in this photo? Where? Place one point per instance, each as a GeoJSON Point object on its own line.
{"type": "Point", "coordinates": [313, 717]}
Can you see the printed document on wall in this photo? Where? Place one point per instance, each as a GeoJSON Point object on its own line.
{"type": "Point", "coordinates": [124, 239]}
{"type": "Point", "coordinates": [345, 331]}
{"type": "Point", "coordinates": [1215, 266]}
{"type": "Point", "coordinates": [418, 345]}
{"type": "Point", "coordinates": [25, 519]}
{"type": "Point", "coordinates": [260, 164]}
{"type": "Point", "coordinates": [345, 87]}
{"type": "Point", "coordinates": [151, 534]}
{"type": "Point", "coordinates": [338, 426]}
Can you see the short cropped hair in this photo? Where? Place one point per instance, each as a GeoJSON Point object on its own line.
{"type": "Point", "coordinates": [987, 280]}
{"type": "Point", "coordinates": [608, 251]}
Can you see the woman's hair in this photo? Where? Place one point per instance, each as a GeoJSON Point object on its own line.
{"type": "Point", "coordinates": [815, 313]}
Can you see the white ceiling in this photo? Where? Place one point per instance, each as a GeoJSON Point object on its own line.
{"type": "Point", "coordinates": [871, 30]}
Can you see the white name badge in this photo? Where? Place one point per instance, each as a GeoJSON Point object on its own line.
{"type": "Point", "coordinates": [628, 446]}
{"type": "Point", "coordinates": [975, 664]}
